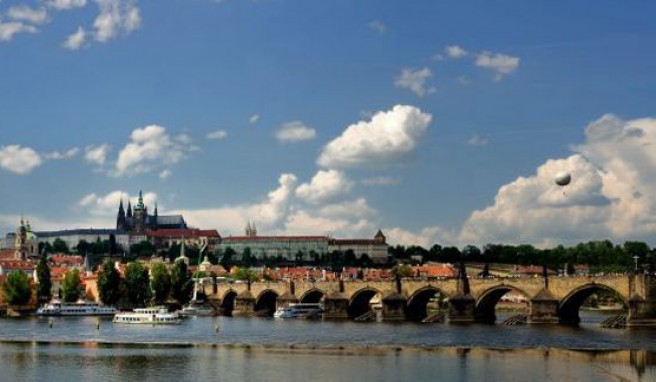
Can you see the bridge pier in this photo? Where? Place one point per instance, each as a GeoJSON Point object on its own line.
{"type": "Point", "coordinates": [642, 304]}
{"type": "Point", "coordinates": [286, 299]}
{"type": "Point", "coordinates": [335, 306]}
{"type": "Point", "coordinates": [394, 307]}
{"type": "Point", "coordinates": [543, 309]}
{"type": "Point", "coordinates": [244, 305]}
{"type": "Point", "coordinates": [462, 309]}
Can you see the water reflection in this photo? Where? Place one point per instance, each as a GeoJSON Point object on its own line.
{"type": "Point", "coordinates": [114, 362]}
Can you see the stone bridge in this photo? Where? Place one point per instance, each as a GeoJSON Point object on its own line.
{"type": "Point", "coordinates": [552, 300]}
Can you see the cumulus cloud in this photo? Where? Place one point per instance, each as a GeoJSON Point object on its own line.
{"type": "Point", "coordinates": [611, 194]}
{"type": "Point", "coordinates": [165, 174]}
{"type": "Point", "coordinates": [19, 160]}
{"type": "Point", "coordinates": [12, 28]}
{"type": "Point", "coordinates": [76, 40]}
{"type": "Point", "coordinates": [68, 154]}
{"type": "Point", "coordinates": [455, 51]}
{"type": "Point", "coordinates": [323, 186]}
{"type": "Point", "coordinates": [150, 148]}
{"type": "Point", "coordinates": [27, 14]}
{"type": "Point", "coordinates": [500, 64]}
{"type": "Point", "coordinates": [107, 205]}
{"type": "Point", "coordinates": [218, 134]}
{"type": "Point", "coordinates": [295, 131]}
{"type": "Point", "coordinates": [425, 237]}
{"type": "Point", "coordinates": [388, 136]}
{"type": "Point", "coordinates": [253, 118]}
{"type": "Point", "coordinates": [358, 209]}
{"type": "Point", "coordinates": [116, 17]}
{"type": "Point", "coordinates": [415, 80]}
{"type": "Point", "coordinates": [97, 154]}
{"type": "Point", "coordinates": [66, 4]}
{"type": "Point", "coordinates": [378, 26]}
{"type": "Point", "coordinates": [477, 140]}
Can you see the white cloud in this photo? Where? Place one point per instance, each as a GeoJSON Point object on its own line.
{"type": "Point", "coordinates": [415, 80]}
{"type": "Point", "coordinates": [388, 136]}
{"type": "Point", "coordinates": [115, 17]}
{"type": "Point", "coordinates": [377, 26]}
{"type": "Point", "coordinates": [150, 148]}
{"type": "Point", "coordinates": [426, 237]}
{"type": "Point", "coordinates": [612, 194]}
{"type": "Point", "coordinates": [253, 118]}
{"type": "Point", "coordinates": [97, 154]}
{"type": "Point", "coordinates": [66, 4]}
{"type": "Point", "coordinates": [165, 174]}
{"type": "Point", "coordinates": [9, 29]}
{"type": "Point", "coordinates": [24, 13]}
{"type": "Point", "coordinates": [380, 181]}
{"type": "Point", "coordinates": [19, 160]}
{"type": "Point", "coordinates": [358, 209]}
{"type": "Point", "coordinates": [107, 205]}
{"type": "Point", "coordinates": [76, 40]}
{"type": "Point", "coordinates": [455, 51]}
{"type": "Point", "coordinates": [500, 64]}
{"type": "Point", "coordinates": [477, 140]}
{"type": "Point", "coordinates": [305, 223]}
{"type": "Point", "coordinates": [295, 131]}
{"type": "Point", "coordinates": [68, 154]}
{"type": "Point", "coordinates": [218, 134]}
{"type": "Point", "coordinates": [323, 186]}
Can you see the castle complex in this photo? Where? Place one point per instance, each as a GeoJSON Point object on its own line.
{"type": "Point", "coordinates": [137, 222]}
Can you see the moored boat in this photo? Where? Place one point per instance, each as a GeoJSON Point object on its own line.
{"type": "Point", "coordinates": [299, 310]}
{"type": "Point", "coordinates": [153, 316]}
{"type": "Point", "coordinates": [196, 308]}
{"type": "Point", "coordinates": [80, 308]}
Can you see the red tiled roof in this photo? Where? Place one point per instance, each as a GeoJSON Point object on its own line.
{"type": "Point", "coordinates": [179, 233]}
{"type": "Point", "coordinates": [18, 264]}
{"type": "Point", "coordinates": [7, 254]}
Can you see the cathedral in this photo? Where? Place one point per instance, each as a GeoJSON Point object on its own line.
{"type": "Point", "coordinates": [137, 221]}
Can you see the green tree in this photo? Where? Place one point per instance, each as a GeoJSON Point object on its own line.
{"type": "Point", "coordinates": [109, 283]}
{"type": "Point", "coordinates": [137, 284]}
{"type": "Point", "coordinates": [402, 271]}
{"type": "Point", "coordinates": [246, 274]}
{"type": "Point", "coordinates": [181, 282]}
{"type": "Point", "coordinates": [17, 289]}
{"type": "Point", "coordinates": [142, 249]}
{"type": "Point", "coordinates": [44, 289]}
{"type": "Point", "coordinates": [227, 259]}
{"type": "Point", "coordinates": [60, 246]}
{"type": "Point", "coordinates": [72, 286]}
{"type": "Point", "coordinates": [160, 282]}
{"type": "Point", "coordinates": [83, 247]}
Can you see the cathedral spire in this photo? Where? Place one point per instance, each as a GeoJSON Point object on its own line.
{"type": "Point", "coordinates": [129, 214]}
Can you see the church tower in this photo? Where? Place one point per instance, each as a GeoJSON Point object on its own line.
{"type": "Point", "coordinates": [20, 244]}
{"type": "Point", "coordinates": [120, 218]}
{"type": "Point", "coordinates": [140, 214]}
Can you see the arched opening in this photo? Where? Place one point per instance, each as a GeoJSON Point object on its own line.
{"type": "Point", "coordinates": [265, 304]}
{"type": "Point", "coordinates": [313, 296]}
{"type": "Point", "coordinates": [502, 300]}
{"type": "Point", "coordinates": [228, 303]}
{"type": "Point", "coordinates": [426, 302]}
{"type": "Point", "coordinates": [596, 298]}
{"type": "Point", "coordinates": [361, 302]}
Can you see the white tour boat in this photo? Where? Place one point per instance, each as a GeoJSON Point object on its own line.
{"type": "Point", "coordinates": [300, 310]}
{"type": "Point", "coordinates": [196, 308]}
{"type": "Point", "coordinates": [153, 316]}
{"type": "Point", "coordinates": [80, 308]}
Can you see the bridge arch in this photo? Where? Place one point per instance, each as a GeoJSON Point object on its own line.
{"type": "Point", "coordinates": [359, 301]}
{"type": "Point", "coordinates": [568, 308]}
{"type": "Point", "coordinates": [265, 303]}
{"type": "Point", "coordinates": [417, 304]}
{"type": "Point", "coordinates": [228, 302]}
{"type": "Point", "coordinates": [487, 301]}
{"type": "Point", "coordinates": [313, 295]}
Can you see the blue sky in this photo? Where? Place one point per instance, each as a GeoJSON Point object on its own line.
{"type": "Point", "coordinates": [434, 121]}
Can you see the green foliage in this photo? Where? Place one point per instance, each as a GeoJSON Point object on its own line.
{"type": "Point", "coordinates": [227, 259]}
{"type": "Point", "coordinates": [142, 249]}
{"type": "Point", "coordinates": [181, 282]}
{"type": "Point", "coordinates": [44, 288]}
{"type": "Point", "coordinates": [109, 283]}
{"type": "Point", "coordinates": [160, 282]}
{"type": "Point", "coordinates": [60, 246]}
{"type": "Point", "coordinates": [71, 287]}
{"type": "Point", "coordinates": [17, 289]}
{"type": "Point", "coordinates": [245, 274]}
{"type": "Point", "coordinates": [402, 271]}
{"type": "Point", "coordinates": [137, 284]}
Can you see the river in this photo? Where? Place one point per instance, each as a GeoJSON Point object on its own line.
{"type": "Point", "coordinates": [260, 349]}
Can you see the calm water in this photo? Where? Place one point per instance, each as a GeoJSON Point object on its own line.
{"type": "Point", "coordinates": [297, 350]}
